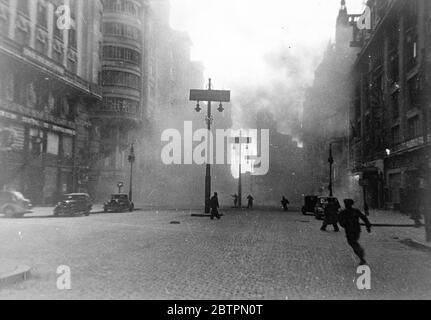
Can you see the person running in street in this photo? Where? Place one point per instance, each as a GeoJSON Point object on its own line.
{"type": "Point", "coordinates": [349, 220]}
{"type": "Point", "coordinates": [284, 203]}
{"type": "Point", "coordinates": [214, 207]}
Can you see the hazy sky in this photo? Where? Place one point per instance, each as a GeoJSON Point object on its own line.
{"type": "Point", "coordinates": [232, 37]}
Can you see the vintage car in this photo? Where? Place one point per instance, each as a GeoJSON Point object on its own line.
{"type": "Point", "coordinates": [74, 204]}
{"type": "Point", "coordinates": [13, 204]}
{"type": "Point", "coordinates": [322, 202]}
{"type": "Point", "coordinates": [309, 204]}
{"type": "Point", "coordinates": [119, 202]}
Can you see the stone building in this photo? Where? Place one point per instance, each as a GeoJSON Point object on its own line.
{"type": "Point", "coordinates": [390, 111]}
{"type": "Point", "coordinates": [48, 90]}
{"type": "Point", "coordinates": [326, 113]}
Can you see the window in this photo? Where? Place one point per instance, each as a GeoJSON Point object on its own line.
{"type": "Point", "coordinates": [120, 29]}
{"type": "Point", "coordinates": [67, 146]}
{"type": "Point", "coordinates": [52, 143]}
{"type": "Point", "coordinates": [395, 131]}
{"type": "Point", "coordinates": [414, 127]}
{"type": "Point", "coordinates": [35, 141]}
{"type": "Point", "coordinates": [119, 78]}
{"type": "Point", "coordinates": [394, 100]}
{"type": "Point", "coordinates": [413, 88]}
{"type": "Point", "coordinates": [112, 52]}
{"type": "Point", "coordinates": [42, 15]}
{"type": "Point", "coordinates": [72, 38]}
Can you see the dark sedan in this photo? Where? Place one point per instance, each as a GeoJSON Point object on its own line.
{"type": "Point", "coordinates": [74, 204]}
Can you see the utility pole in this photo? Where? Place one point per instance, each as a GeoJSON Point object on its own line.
{"type": "Point", "coordinates": [131, 159]}
{"type": "Point", "coordinates": [331, 163]}
{"type": "Point", "coordinates": [239, 141]}
{"type": "Point", "coordinates": [209, 95]}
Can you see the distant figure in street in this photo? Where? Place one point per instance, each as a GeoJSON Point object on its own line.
{"type": "Point", "coordinates": [331, 215]}
{"type": "Point", "coordinates": [250, 201]}
{"type": "Point", "coordinates": [214, 207]}
{"type": "Point", "coordinates": [284, 203]}
{"type": "Point", "coordinates": [349, 220]}
{"type": "Point", "coordinates": [235, 200]}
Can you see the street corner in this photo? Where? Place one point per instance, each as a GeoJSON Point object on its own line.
{"type": "Point", "coordinates": [12, 272]}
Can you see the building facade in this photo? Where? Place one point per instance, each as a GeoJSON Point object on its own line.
{"type": "Point", "coordinates": [48, 90]}
{"type": "Point", "coordinates": [390, 111]}
{"type": "Point", "coordinates": [326, 113]}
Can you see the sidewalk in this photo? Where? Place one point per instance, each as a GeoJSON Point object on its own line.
{"type": "Point", "coordinates": [12, 272]}
{"type": "Point", "coordinates": [404, 225]}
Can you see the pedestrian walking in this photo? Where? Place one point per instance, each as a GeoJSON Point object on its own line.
{"type": "Point", "coordinates": [235, 200]}
{"type": "Point", "coordinates": [250, 201]}
{"type": "Point", "coordinates": [349, 220]}
{"type": "Point", "coordinates": [284, 203]}
{"type": "Point", "coordinates": [214, 204]}
{"type": "Point", "coordinates": [331, 215]}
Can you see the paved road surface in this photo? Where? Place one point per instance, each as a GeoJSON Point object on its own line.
{"type": "Point", "coordinates": [246, 255]}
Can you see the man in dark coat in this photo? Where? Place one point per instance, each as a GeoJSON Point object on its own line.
{"type": "Point", "coordinates": [214, 207]}
{"type": "Point", "coordinates": [331, 215]}
{"type": "Point", "coordinates": [250, 201]}
{"type": "Point", "coordinates": [349, 220]}
{"type": "Point", "coordinates": [235, 200]}
{"type": "Point", "coordinates": [284, 203]}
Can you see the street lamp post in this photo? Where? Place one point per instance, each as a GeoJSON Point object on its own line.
{"type": "Point", "coordinates": [131, 159]}
{"type": "Point", "coordinates": [210, 96]}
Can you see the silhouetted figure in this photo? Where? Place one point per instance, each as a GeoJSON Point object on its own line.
{"type": "Point", "coordinates": [250, 201]}
{"type": "Point", "coordinates": [284, 203]}
{"type": "Point", "coordinates": [331, 215]}
{"type": "Point", "coordinates": [235, 200]}
{"type": "Point", "coordinates": [349, 220]}
{"type": "Point", "coordinates": [214, 207]}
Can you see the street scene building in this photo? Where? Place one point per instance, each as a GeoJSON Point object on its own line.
{"type": "Point", "coordinates": [49, 88]}
{"type": "Point", "coordinates": [201, 149]}
{"type": "Point", "coordinates": [389, 142]}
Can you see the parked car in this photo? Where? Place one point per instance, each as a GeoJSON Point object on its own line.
{"type": "Point", "coordinates": [74, 204]}
{"type": "Point", "coordinates": [309, 204]}
{"type": "Point", "coordinates": [119, 202]}
{"type": "Point", "coordinates": [13, 204]}
{"type": "Point", "coordinates": [319, 209]}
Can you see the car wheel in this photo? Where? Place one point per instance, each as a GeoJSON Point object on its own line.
{"type": "Point", "coordinates": [9, 212]}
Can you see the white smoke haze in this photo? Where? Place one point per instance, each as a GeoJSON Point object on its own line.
{"type": "Point", "coordinates": [265, 52]}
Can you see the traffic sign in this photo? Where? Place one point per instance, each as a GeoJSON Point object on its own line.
{"type": "Point", "coordinates": [210, 95]}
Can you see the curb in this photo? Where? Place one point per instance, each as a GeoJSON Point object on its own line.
{"type": "Point", "coordinates": [203, 215]}
{"type": "Point", "coordinates": [20, 273]}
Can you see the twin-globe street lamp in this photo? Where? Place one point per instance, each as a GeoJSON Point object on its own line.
{"type": "Point", "coordinates": [210, 96]}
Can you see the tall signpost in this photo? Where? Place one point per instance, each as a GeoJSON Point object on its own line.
{"type": "Point", "coordinates": [239, 141]}
{"type": "Point", "coordinates": [209, 96]}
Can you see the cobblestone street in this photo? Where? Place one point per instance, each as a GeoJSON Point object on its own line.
{"type": "Point", "coordinates": [172, 255]}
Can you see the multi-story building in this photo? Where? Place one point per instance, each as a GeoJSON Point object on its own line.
{"type": "Point", "coordinates": [125, 82]}
{"type": "Point", "coordinates": [326, 113]}
{"type": "Point", "coordinates": [390, 114]}
{"type": "Point", "coordinates": [48, 89]}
